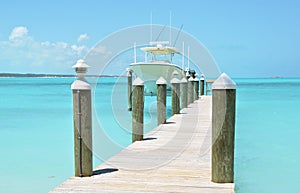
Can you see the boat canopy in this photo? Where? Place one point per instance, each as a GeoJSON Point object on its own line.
{"type": "Point", "coordinates": [159, 49]}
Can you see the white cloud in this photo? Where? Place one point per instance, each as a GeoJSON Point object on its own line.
{"type": "Point", "coordinates": [79, 49]}
{"type": "Point", "coordinates": [46, 43]}
{"type": "Point", "coordinates": [18, 32]}
{"type": "Point", "coordinates": [82, 37]}
{"type": "Point", "coordinates": [63, 45]}
{"type": "Point", "coordinates": [22, 53]}
{"type": "Point", "coordinates": [101, 51]}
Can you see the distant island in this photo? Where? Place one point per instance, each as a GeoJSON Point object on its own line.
{"type": "Point", "coordinates": [276, 77]}
{"type": "Point", "coordinates": [31, 75]}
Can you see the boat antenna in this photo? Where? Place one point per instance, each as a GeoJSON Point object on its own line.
{"type": "Point", "coordinates": [182, 66]}
{"type": "Point", "coordinates": [134, 47]}
{"type": "Point", "coordinates": [151, 27]}
{"type": "Point", "coordinates": [189, 57]}
{"type": "Point", "coordinates": [160, 32]}
{"type": "Point", "coordinates": [178, 35]}
{"type": "Point", "coordinates": [170, 28]}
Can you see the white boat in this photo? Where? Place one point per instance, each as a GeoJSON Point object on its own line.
{"type": "Point", "coordinates": [159, 65]}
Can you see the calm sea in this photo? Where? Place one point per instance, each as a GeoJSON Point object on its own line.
{"type": "Point", "coordinates": [36, 130]}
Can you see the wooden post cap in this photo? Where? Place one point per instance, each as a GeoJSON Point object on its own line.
{"type": "Point", "coordinates": [129, 72]}
{"type": "Point", "coordinates": [224, 82]}
{"type": "Point", "coordinates": [80, 85]}
{"type": "Point", "coordinates": [191, 79]}
{"type": "Point", "coordinates": [202, 77]}
{"type": "Point", "coordinates": [161, 80]}
{"type": "Point", "coordinates": [183, 80]}
{"type": "Point", "coordinates": [138, 82]}
{"type": "Point", "coordinates": [175, 81]}
{"type": "Point", "coordinates": [175, 73]}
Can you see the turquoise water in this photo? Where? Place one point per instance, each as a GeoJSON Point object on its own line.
{"type": "Point", "coordinates": [36, 134]}
{"type": "Point", "coordinates": [267, 135]}
{"type": "Point", "coordinates": [36, 145]}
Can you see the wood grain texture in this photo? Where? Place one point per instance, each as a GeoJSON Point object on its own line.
{"type": "Point", "coordinates": [83, 156]}
{"type": "Point", "coordinates": [161, 103]}
{"type": "Point", "coordinates": [223, 129]}
{"type": "Point", "coordinates": [137, 113]}
{"type": "Point", "coordinates": [190, 92]}
{"type": "Point", "coordinates": [175, 98]}
{"type": "Point", "coordinates": [184, 92]}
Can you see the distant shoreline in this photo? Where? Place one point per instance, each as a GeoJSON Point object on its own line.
{"type": "Point", "coordinates": [31, 75]}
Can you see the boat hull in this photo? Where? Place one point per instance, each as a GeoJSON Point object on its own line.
{"type": "Point", "coordinates": [151, 72]}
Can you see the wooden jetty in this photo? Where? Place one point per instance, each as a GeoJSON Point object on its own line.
{"type": "Point", "coordinates": [174, 157]}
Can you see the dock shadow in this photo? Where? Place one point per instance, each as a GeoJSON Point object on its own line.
{"type": "Point", "coordinates": [104, 171]}
{"type": "Point", "coordinates": [149, 138]}
{"type": "Point", "coordinates": [169, 122]}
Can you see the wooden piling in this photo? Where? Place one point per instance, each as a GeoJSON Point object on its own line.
{"type": "Point", "coordinates": [183, 91]}
{"type": "Point", "coordinates": [82, 114]}
{"type": "Point", "coordinates": [202, 85]}
{"type": "Point", "coordinates": [137, 110]}
{"type": "Point", "coordinates": [129, 88]}
{"type": "Point", "coordinates": [175, 82]}
{"type": "Point", "coordinates": [190, 90]}
{"type": "Point", "coordinates": [196, 88]}
{"type": "Point", "coordinates": [223, 129]}
{"type": "Point", "coordinates": [161, 85]}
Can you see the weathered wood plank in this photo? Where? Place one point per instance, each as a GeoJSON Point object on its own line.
{"type": "Point", "coordinates": [176, 158]}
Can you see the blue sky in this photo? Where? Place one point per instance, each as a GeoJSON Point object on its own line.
{"type": "Point", "coordinates": [246, 38]}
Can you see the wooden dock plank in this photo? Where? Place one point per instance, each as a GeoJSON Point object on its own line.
{"type": "Point", "coordinates": [175, 158]}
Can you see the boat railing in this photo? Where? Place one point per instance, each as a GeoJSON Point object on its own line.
{"type": "Point", "coordinates": [161, 61]}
